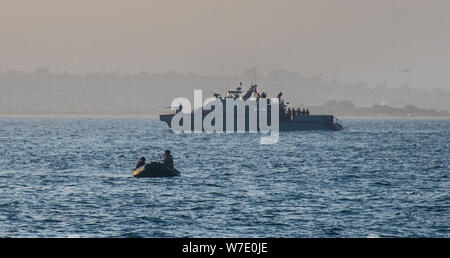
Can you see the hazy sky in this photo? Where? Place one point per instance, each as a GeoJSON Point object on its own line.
{"type": "Point", "coordinates": [352, 40]}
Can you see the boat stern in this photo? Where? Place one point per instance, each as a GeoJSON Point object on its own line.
{"type": "Point", "coordinates": [337, 124]}
{"type": "Point", "coordinates": [166, 118]}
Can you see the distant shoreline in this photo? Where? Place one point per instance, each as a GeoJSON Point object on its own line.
{"type": "Point", "coordinates": [42, 93]}
{"type": "Point", "coordinates": [394, 117]}
{"type": "Point", "coordinates": [156, 116]}
{"type": "Point", "coordinates": [78, 116]}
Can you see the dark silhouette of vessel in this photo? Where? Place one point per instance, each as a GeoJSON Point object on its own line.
{"type": "Point", "coordinates": [155, 169]}
{"type": "Point", "coordinates": [290, 119]}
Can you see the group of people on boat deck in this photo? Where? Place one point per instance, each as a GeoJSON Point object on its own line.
{"type": "Point", "coordinates": [291, 113]}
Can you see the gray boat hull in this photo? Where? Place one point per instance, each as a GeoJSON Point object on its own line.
{"type": "Point", "coordinates": [299, 123]}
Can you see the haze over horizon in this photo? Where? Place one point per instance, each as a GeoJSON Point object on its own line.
{"type": "Point", "coordinates": [393, 41]}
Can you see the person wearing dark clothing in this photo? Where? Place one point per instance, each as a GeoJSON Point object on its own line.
{"type": "Point", "coordinates": [180, 108]}
{"type": "Point", "coordinates": [307, 112]}
{"type": "Point", "coordinates": [140, 163]}
{"type": "Point", "coordinates": [279, 95]}
{"type": "Point", "coordinates": [289, 114]}
{"type": "Point", "coordinates": [282, 114]}
{"type": "Point", "coordinates": [167, 159]}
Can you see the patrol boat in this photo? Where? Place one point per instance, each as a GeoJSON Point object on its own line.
{"type": "Point", "coordinates": [290, 119]}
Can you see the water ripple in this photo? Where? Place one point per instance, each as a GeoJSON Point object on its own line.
{"type": "Point", "coordinates": [72, 178]}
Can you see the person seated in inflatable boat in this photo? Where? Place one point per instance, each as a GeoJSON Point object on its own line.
{"type": "Point", "coordinates": [140, 163]}
{"type": "Point", "coordinates": [167, 159]}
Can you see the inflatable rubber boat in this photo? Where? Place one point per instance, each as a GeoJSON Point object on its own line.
{"type": "Point", "coordinates": [155, 169]}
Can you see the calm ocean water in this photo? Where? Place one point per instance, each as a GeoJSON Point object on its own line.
{"type": "Point", "coordinates": [71, 177]}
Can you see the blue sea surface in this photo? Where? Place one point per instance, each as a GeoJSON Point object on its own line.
{"type": "Point", "coordinates": [71, 177]}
